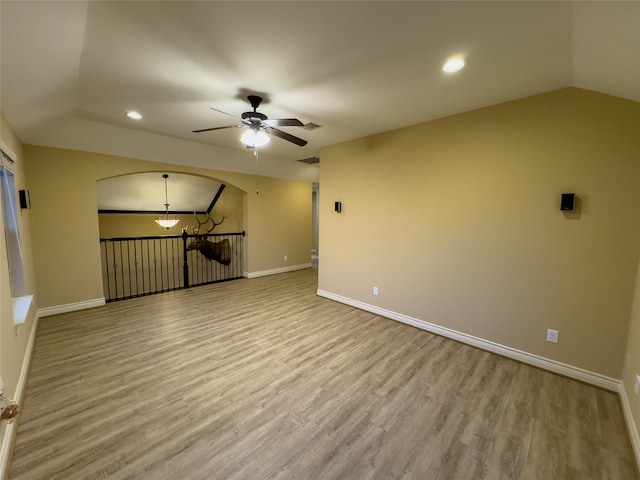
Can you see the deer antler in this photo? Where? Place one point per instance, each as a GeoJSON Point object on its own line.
{"type": "Point", "coordinates": [196, 231]}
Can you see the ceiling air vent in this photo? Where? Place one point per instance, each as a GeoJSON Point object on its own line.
{"type": "Point", "coordinates": [311, 126]}
{"type": "Point", "coordinates": [310, 160]}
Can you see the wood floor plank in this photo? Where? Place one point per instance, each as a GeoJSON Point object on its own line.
{"type": "Point", "coordinates": [262, 379]}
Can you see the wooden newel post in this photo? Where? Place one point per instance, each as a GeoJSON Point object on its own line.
{"type": "Point", "coordinates": [185, 267]}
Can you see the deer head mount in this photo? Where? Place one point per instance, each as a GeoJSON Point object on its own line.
{"type": "Point", "coordinates": [215, 251]}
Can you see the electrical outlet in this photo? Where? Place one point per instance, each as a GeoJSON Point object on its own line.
{"type": "Point", "coordinates": [552, 336]}
{"type": "Point", "coordinates": [636, 387]}
{"type": "Point", "coordinates": [285, 258]}
{"type": "Point", "coordinates": [375, 291]}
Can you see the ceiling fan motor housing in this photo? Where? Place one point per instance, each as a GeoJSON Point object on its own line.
{"type": "Point", "coordinates": [255, 102]}
{"type": "Point", "coordinates": [254, 115]}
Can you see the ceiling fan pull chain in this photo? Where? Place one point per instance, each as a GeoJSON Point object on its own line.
{"type": "Point", "coordinates": [255, 154]}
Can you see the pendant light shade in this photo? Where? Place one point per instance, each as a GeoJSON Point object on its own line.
{"type": "Point", "coordinates": [167, 222]}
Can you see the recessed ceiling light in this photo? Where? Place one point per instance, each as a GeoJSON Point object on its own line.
{"type": "Point", "coordinates": [135, 115]}
{"type": "Point", "coordinates": [454, 65]}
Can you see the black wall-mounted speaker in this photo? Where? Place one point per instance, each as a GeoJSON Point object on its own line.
{"type": "Point", "coordinates": [25, 201]}
{"type": "Point", "coordinates": [567, 202]}
{"type": "Point", "coordinates": [338, 207]}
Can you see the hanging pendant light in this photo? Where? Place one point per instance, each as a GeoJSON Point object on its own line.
{"type": "Point", "coordinates": [165, 221]}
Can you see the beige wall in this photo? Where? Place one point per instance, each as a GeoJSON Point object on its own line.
{"type": "Point", "coordinates": [66, 228]}
{"type": "Point", "coordinates": [13, 344]}
{"type": "Point", "coordinates": [457, 222]}
{"type": "Point", "coordinates": [281, 210]}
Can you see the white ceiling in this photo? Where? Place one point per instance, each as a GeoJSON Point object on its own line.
{"type": "Point", "coordinates": [70, 70]}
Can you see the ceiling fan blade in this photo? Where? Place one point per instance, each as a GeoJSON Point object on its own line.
{"type": "Point", "coordinates": [216, 128]}
{"type": "Point", "coordinates": [220, 111]}
{"type": "Point", "coordinates": [284, 122]}
{"type": "Point", "coordinates": [288, 137]}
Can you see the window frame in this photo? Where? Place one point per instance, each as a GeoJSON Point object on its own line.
{"type": "Point", "coordinates": [11, 225]}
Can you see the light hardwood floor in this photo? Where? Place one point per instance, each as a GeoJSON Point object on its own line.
{"type": "Point", "coordinates": [262, 379]}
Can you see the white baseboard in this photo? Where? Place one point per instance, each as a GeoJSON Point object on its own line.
{"type": "Point", "coordinates": [631, 425]}
{"type": "Point", "coordinates": [71, 307]}
{"type": "Point", "coordinates": [10, 430]}
{"type": "Point", "coordinates": [525, 357]}
{"type": "Point", "coordinates": [274, 271]}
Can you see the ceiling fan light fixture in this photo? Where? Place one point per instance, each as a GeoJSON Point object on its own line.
{"type": "Point", "coordinates": [454, 65]}
{"type": "Point", "coordinates": [255, 138]}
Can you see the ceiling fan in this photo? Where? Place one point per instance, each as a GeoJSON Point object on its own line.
{"type": "Point", "coordinates": [260, 125]}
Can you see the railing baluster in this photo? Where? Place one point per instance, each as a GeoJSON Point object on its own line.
{"type": "Point", "coordinates": [121, 269]}
{"type": "Point", "coordinates": [129, 266]}
{"type": "Point", "coordinates": [173, 264]}
{"type": "Point", "coordinates": [142, 265]}
{"type": "Point", "coordinates": [185, 260]}
{"type": "Point", "coordinates": [115, 271]}
{"type": "Point", "coordinates": [155, 267]}
{"type": "Point", "coordinates": [161, 260]}
{"type": "Point", "coordinates": [106, 270]}
{"type": "Point", "coordinates": [135, 264]}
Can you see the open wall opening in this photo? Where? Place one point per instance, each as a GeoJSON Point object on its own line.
{"type": "Point", "coordinates": [141, 255]}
